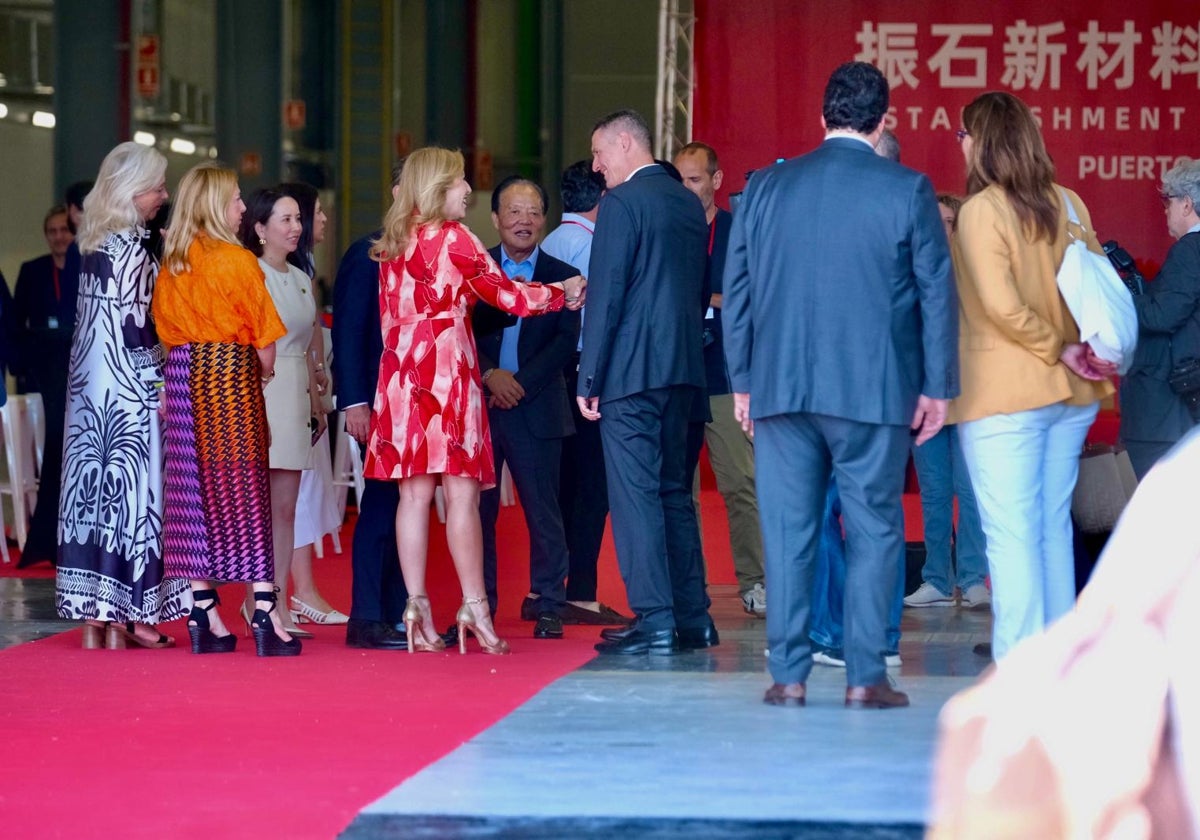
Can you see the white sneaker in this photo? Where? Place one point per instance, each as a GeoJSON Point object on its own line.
{"type": "Point", "coordinates": [927, 595]}
{"type": "Point", "coordinates": [892, 660]}
{"type": "Point", "coordinates": [754, 600]}
{"type": "Point", "coordinates": [976, 597]}
{"type": "Point", "coordinates": [829, 656]}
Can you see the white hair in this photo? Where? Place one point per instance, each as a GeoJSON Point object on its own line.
{"type": "Point", "coordinates": [127, 170]}
{"type": "Point", "coordinates": [1183, 179]}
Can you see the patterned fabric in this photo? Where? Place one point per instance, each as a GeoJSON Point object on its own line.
{"type": "Point", "coordinates": [429, 415]}
{"type": "Point", "coordinates": [222, 300]}
{"type": "Point", "coordinates": [218, 494]}
{"type": "Point", "coordinates": [110, 564]}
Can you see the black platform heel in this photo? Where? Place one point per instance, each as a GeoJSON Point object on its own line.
{"type": "Point", "coordinates": [205, 640]}
{"type": "Point", "coordinates": [266, 642]}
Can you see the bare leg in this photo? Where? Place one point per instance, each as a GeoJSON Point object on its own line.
{"type": "Point", "coordinates": [304, 588]}
{"type": "Point", "coordinates": [412, 537]}
{"type": "Point", "coordinates": [285, 489]}
{"type": "Point", "coordinates": [464, 535]}
{"type": "Point", "coordinates": [214, 617]}
{"type": "Point", "coordinates": [276, 614]}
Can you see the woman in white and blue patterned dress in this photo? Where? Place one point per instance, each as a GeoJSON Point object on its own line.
{"type": "Point", "coordinates": [110, 565]}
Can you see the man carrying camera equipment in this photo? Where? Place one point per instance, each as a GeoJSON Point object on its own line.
{"type": "Point", "coordinates": [1160, 395]}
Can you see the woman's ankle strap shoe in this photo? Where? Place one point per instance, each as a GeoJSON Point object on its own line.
{"type": "Point", "coordinates": [266, 640]}
{"type": "Point", "coordinates": [205, 640]}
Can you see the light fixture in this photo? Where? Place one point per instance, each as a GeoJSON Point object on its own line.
{"type": "Point", "coordinates": [183, 147]}
{"type": "Point", "coordinates": [3, 110]}
{"type": "Point", "coordinates": [212, 152]}
{"type": "Point", "coordinates": [144, 137]}
{"type": "Point", "coordinates": [43, 119]}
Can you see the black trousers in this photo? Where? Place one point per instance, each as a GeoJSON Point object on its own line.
{"type": "Point", "coordinates": [582, 497]}
{"type": "Point", "coordinates": [377, 590]}
{"type": "Point", "coordinates": [654, 523]}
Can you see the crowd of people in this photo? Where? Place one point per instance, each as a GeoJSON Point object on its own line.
{"type": "Point", "coordinates": [811, 340]}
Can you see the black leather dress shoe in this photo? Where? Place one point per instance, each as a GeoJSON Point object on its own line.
{"type": "Point", "coordinates": [698, 638]}
{"type": "Point", "coordinates": [606, 616]}
{"type": "Point", "coordinates": [549, 626]}
{"type": "Point", "coordinates": [652, 642]}
{"type": "Point", "coordinates": [529, 609]}
{"type": "Point", "coordinates": [374, 635]}
{"type": "Point", "coordinates": [614, 634]}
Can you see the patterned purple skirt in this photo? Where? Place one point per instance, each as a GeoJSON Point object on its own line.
{"type": "Point", "coordinates": [217, 517]}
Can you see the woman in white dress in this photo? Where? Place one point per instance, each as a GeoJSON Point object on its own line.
{"type": "Point", "coordinates": [271, 229]}
{"type": "Point", "coordinates": [317, 511]}
{"type": "Point", "coordinates": [110, 520]}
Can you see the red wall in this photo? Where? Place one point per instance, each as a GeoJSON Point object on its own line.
{"type": "Point", "coordinates": [761, 68]}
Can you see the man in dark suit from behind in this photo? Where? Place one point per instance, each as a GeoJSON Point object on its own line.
{"type": "Point", "coordinates": [841, 333]}
{"type": "Point", "coordinates": [528, 406]}
{"type": "Point", "coordinates": [377, 592]}
{"type": "Point", "coordinates": [640, 370]}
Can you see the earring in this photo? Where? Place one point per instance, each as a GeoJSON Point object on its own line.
{"type": "Point", "coordinates": [262, 241]}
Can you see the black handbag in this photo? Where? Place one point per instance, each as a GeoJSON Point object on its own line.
{"type": "Point", "coordinates": [1184, 380]}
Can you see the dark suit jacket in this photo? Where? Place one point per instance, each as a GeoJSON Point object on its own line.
{"type": "Point", "coordinates": [715, 376]}
{"type": "Point", "coordinates": [546, 343]}
{"type": "Point", "coordinates": [1168, 332]}
{"type": "Point", "coordinates": [643, 328]}
{"type": "Point", "coordinates": [839, 296]}
{"type": "Point", "coordinates": [357, 334]}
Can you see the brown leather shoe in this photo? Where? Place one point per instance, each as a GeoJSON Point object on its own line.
{"type": "Point", "coordinates": [777, 696]}
{"type": "Point", "coordinates": [878, 696]}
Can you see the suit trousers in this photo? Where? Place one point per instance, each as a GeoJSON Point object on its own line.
{"type": "Point", "coordinates": [582, 497]}
{"type": "Point", "coordinates": [1023, 468]}
{"type": "Point", "coordinates": [654, 523]}
{"type": "Point", "coordinates": [533, 463]}
{"type": "Point", "coordinates": [731, 454]}
{"type": "Point", "coordinates": [377, 590]}
{"type": "Point", "coordinates": [799, 451]}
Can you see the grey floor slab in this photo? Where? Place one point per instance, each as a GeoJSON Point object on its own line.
{"type": "Point", "coordinates": [662, 742]}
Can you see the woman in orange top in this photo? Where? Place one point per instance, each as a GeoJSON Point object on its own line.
{"type": "Point", "coordinates": [213, 312]}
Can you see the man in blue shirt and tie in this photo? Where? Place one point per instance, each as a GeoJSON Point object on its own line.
{"type": "Point", "coordinates": [529, 413]}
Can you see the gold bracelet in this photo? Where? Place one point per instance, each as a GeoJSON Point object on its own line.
{"type": "Point", "coordinates": [321, 367]}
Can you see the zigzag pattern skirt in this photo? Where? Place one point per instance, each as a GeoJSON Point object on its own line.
{"type": "Point", "coordinates": [217, 516]}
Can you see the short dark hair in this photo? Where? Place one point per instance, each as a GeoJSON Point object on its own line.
{"type": "Point", "coordinates": [77, 192]}
{"type": "Point", "coordinates": [709, 152]}
{"type": "Point", "coordinates": [581, 187]}
{"type": "Point", "coordinates": [629, 121]}
{"type": "Point", "coordinates": [856, 97]}
{"type": "Point", "coordinates": [259, 208]}
{"type": "Point", "coordinates": [512, 181]}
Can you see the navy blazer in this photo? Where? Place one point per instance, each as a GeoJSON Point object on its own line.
{"type": "Point", "coordinates": [643, 327]}
{"type": "Point", "coordinates": [547, 342]}
{"type": "Point", "coordinates": [357, 331]}
{"type": "Point", "coordinates": [839, 295]}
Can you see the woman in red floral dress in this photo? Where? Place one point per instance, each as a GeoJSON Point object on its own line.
{"type": "Point", "coordinates": [429, 417]}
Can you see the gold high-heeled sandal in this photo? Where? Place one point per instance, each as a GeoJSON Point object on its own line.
{"type": "Point", "coordinates": [414, 626]}
{"type": "Point", "coordinates": [466, 620]}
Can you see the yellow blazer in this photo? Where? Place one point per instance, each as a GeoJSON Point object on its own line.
{"type": "Point", "coordinates": [1013, 323]}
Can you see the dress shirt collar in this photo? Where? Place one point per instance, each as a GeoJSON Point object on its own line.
{"type": "Point", "coordinates": [639, 169]}
{"type": "Point", "coordinates": [514, 269]}
{"type": "Point", "coordinates": [1194, 228]}
{"type": "Point", "coordinates": [834, 135]}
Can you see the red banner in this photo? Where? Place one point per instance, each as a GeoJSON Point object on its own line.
{"type": "Point", "coordinates": [1116, 87]}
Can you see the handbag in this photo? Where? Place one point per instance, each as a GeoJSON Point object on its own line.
{"type": "Point", "coordinates": [1097, 299]}
{"type": "Point", "coordinates": [1105, 485]}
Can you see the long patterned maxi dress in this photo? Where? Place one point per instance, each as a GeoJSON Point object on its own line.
{"type": "Point", "coordinates": [218, 510]}
{"type": "Point", "coordinates": [110, 541]}
{"type": "Point", "coordinates": [429, 414]}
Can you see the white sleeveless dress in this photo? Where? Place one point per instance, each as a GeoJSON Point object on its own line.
{"type": "Point", "coordinates": [288, 407]}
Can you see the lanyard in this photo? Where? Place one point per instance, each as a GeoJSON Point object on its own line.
{"type": "Point", "coordinates": [577, 224]}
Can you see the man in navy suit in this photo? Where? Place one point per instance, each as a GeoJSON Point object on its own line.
{"type": "Point", "coordinates": [377, 593]}
{"type": "Point", "coordinates": [841, 334]}
{"type": "Point", "coordinates": [528, 407]}
{"type": "Point", "coordinates": [639, 372]}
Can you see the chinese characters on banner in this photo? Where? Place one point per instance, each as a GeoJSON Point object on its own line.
{"type": "Point", "coordinates": [1115, 86]}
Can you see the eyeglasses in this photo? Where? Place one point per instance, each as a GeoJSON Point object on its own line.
{"type": "Point", "coordinates": [962, 134]}
{"type": "Point", "coordinates": [1167, 197]}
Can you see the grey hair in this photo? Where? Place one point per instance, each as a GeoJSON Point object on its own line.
{"type": "Point", "coordinates": [628, 121]}
{"type": "Point", "coordinates": [127, 170]}
{"type": "Point", "coordinates": [1183, 179]}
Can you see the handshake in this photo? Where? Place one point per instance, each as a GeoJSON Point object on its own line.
{"type": "Point", "coordinates": [575, 289]}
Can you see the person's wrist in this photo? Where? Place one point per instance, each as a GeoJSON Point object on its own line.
{"type": "Point", "coordinates": [268, 376]}
{"type": "Point", "coordinates": [486, 374]}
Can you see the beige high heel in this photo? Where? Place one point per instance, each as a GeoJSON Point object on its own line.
{"type": "Point", "coordinates": [93, 634]}
{"type": "Point", "coordinates": [414, 626]}
{"type": "Point", "coordinates": [467, 621]}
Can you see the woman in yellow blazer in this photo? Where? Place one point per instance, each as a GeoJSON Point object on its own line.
{"type": "Point", "coordinates": [1030, 389]}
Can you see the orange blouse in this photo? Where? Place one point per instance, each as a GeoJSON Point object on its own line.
{"type": "Point", "coordinates": [222, 300]}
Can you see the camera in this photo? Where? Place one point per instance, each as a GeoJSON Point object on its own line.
{"type": "Point", "coordinates": [1184, 380]}
{"type": "Point", "coordinates": [1125, 266]}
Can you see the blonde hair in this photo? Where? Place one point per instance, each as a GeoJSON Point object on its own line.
{"type": "Point", "coordinates": [427, 176]}
{"type": "Point", "coordinates": [126, 171]}
{"type": "Point", "coordinates": [200, 204]}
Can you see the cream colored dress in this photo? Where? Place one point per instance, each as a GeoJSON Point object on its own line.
{"type": "Point", "coordinates": [288, 406]}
